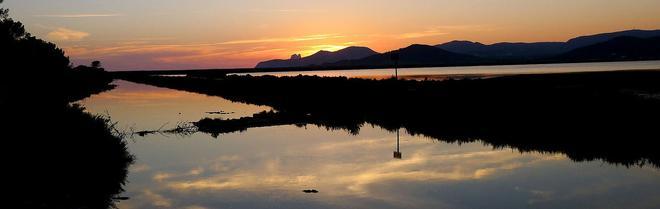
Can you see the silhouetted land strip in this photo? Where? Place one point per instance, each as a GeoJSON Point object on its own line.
{"type": "Point", "coordinates": [606, 115]}
{"type": "Point", "coordinates": [227, 71]}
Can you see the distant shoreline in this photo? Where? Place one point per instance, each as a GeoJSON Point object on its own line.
{"type": "Point", "coordinates": [319, 68]}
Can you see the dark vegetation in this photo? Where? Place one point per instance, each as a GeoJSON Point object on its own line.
{"type": "Point", "coordinates": [55, 154]}
{"type": "Point", "coordinates": [607, 115]}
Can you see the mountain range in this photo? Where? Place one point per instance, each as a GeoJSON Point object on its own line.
{"type": "Point", "coordinates": [622, 48]}
{"type": "Point", "coordinates": [319, 58]}
{"type": "Point", "coordinates": [622, 45]}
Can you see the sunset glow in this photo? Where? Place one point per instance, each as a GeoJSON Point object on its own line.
{"type": "Point", "coordinates": [169, 34]}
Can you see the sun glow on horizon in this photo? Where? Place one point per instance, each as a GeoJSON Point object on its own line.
{"type": "Point", "coordinates": [225, 34]}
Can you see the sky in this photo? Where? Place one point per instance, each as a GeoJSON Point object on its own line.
{"type": "Point", "coordinates": [194, 34]}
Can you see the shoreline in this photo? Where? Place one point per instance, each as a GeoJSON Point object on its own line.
{"type": "Point", "coordinates": [583, 115]}
{"type": "Point", "coordinates": [212, 71]}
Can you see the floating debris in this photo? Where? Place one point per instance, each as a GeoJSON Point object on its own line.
{"type": "Point", "coordinates": [220, 113]}
{"type": "Point", "coordinates": [310, 191]}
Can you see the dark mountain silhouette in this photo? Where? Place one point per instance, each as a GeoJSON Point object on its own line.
{"type": "Point", "coordinates": [456, 53]}
{"type": "Point", "coordinates": [413, 55]}
{"type": "Point", "coordinates": [617, 49]}
{"type": "Point", "coordinates": [320, 58]}
{"type": "Point", "coordinates": [529, 51]}
{"type": "Point", "coordinates": [505, 50]}
{"type": "Point", "coordinates": [598, 38]}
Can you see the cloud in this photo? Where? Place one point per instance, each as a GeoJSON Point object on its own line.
{"type": "Point", "coordinates": [422, 34]}
{"type": "Point", "coordinates": [140, 168]}
{"type": "Point", "coordinates": [64, 34]}
{"type": "Point", "coordinates": [281, 11]}
{"type": "Point", "coordinates": [424, 165]}
{"type": "Point", "coordinates": [157, 199]}
{"type": "Point", "coordinates": [79, 15]}
{"type": "Point", "coordinates": [429, 32]}
{"type": "Point", "coordinates": [154, 54]}
{"type": "Point", "coordinates": [290, 39]}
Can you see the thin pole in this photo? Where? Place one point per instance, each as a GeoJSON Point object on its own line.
{"type": "Point", "coordinates": [397, 140]}
{"type": "Point", "coordinates": [396, 70]}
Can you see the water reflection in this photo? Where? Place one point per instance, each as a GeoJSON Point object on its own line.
{"type": "Point", "coordinates": [144, 107]}
{"type": "Point", "coordinates": [270, 166]}
{"type": "Point", "coordinates": [267, 166]}
{"type": "Point", "coordinates": [397, 152]}
{"type": "Point", "coordinates": [584, 115]}
{"type": "Point", "coordinates": [478, 71]}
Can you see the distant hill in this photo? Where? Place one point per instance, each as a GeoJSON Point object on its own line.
{"type": "Point", "coordinates": [505, 50]}
{"type": "Point", "coordinates": [320, 58]}
{"type": "Point", "coordinates": [598, 38]}
{"type": "Point", "coordinates": [414, 55]}
{"type": "Point", "coordinates": [622, 45]}
{"type": "Point", "coordinates": [531, 51]}
{"type": "Point", "coordinates": [616, 49]}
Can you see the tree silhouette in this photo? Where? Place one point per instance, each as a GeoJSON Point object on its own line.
{"type": "Point", "coordinates": [32, 66]}
{"type": "Point", "coordinates": [68, 158]}
{"type": "Point", "coordinates": [96, 64]}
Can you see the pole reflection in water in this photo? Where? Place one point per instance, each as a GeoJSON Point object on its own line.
{"type": "Point", "coordinates": [397, 153]}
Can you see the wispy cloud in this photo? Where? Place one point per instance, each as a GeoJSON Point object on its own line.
{"type": "Point", "coordinates": [428, 33]}
{"type": "Point", "coordinates": [65, 34]}
{"type": "Point", "coordinates": [79, 15]}
{"type": "Point", "coordinates": [190, 52]}
{"type": "Point", "coordinates": [157, 199]}
{"type": "Point", "coordinates": [290, 39]}
{"type": "Point", "coordinates": [281, 11]}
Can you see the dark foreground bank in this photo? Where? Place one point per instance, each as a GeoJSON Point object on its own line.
{"type": "Point", "coordinates": [607, 115]}
{"type": "Point", "coordinates": [55, 155]}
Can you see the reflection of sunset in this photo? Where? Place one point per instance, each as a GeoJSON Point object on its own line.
{"type": "Point", "coordinates": [273, 165]}
{"type": "Point", "coordinates": [342, 178]}
{"type": "Point", "coordinates": [131, 100]}
{"type": "Point", "coordinates": [286, 160]}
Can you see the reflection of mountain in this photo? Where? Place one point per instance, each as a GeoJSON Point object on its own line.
{"type": "Point", "coordinates": [320, 58]}
{"type": "Point", "coordinates": [584, 115]}
{"type": "Point", "coordinates": [617, 49]}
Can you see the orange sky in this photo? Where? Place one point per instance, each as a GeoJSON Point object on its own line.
{"type": "Point", "coordinates": [169, 34]}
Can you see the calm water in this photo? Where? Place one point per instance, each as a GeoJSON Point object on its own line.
{"type": "Point", "coordinates": [269, 167]}
{"type": "Point", "coordinates": [483, 70]}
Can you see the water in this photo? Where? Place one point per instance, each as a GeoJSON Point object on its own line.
{"type": "Point", "coordinates": [441, 72]}
{"type": "Point", "coordinates": [269, 167]}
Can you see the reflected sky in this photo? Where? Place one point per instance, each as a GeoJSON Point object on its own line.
{"type": "Point", "coordinates": [143, 107]}
{"type": "Point", "coordinates": [269, 167]}
{"type": "Point", "coordinates": [479, 71]}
